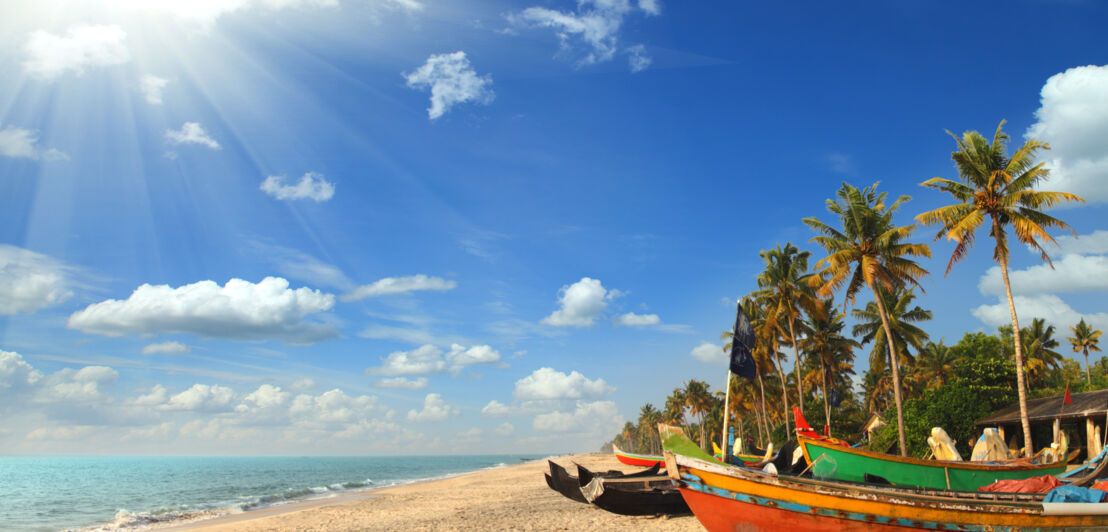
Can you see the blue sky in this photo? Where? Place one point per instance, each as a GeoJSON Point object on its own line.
{"type": "Point", "coordinates": [415, 226]}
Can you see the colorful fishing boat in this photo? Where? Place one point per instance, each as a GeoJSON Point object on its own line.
{"type": "Point", "coordinates": [644, 460]}
{"type": "Point", "coordinates": [836, 462]}
{"type": "Point", "coordinates": [729, 498]}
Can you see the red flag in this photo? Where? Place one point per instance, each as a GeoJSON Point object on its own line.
{"type": "Point", "coordinates": [1067, 400]}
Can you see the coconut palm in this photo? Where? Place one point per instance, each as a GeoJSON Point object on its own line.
{"type": "Point", "coordinates": [877, 385]}
{"type": "Point", "coordinates": [648, 420]}
{"type": "Point", "coordinates": [786, 287]}
{"type": "Point", "coordinates": [1038, 349]}
{"type": "Point", "coordinates": [766, 351]}
{"type": "Point", "coordinates": [901, 316]}
{"type": "Point", "coordinates": [1084, 339]}
{"type": "Point", "coordinates": [699, 401]}
{"type": "Point", "coordinates": [834, 352]}
{"type": "Point", "coordinates": [674, 411]}
{"type": "Point", "coordinates": [935, 365]}
{"type": "Point", "coordinates": [868, 250]}
{"type": "Point", "coordinates": [999, 190]}
{"type": "Point", "coordinates": [744, 399]}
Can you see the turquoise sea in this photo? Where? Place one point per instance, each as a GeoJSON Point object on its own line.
{"type": "Point", "coordinates": [123, 493]}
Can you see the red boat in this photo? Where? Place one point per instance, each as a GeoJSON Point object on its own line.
{"type": "Point", "coordinates": [644, 460]}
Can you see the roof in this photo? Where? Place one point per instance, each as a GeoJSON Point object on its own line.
{"type": "Point", "coordinates": [1085, 404]}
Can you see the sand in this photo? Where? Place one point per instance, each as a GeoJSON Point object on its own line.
{"type": "Point", "coordinates": [509, 498]}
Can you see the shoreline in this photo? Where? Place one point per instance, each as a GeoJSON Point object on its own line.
{"type": "Point", "coordinates": [509, 497]}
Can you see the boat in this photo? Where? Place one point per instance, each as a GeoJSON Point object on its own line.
{"type": "Point", "coordinates": [729, 498]}
{"type": "Point", "coordinates": [845, 463]}
{"type": "Point", "coordinates": [561, 481]}
{"type": "Point", "coordinates": [644, 460]}
{"type": "Point", "coordinates": [632, 495]}
{"type": "Point", "coordinates": [738, 459]}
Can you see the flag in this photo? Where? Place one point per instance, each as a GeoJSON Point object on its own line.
{"type": "Point", "coordinates": [834, 399]}
{"type": "Point", "coordinates": [742, 341]}
{"type": "Point", "coordinates": [1067, 400]}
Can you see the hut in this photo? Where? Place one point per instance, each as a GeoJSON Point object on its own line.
{"type": "Point", "coordinates": [1088, 408]}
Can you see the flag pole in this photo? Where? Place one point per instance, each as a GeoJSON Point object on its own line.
{"type": "Point", "coordinates": [727, 416]}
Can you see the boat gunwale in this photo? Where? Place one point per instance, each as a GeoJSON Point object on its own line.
{"type": "Point", "coordinates": [908, 460]}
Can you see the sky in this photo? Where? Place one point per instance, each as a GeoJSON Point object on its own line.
{"type": "Point", "coordinates": [436, 227]}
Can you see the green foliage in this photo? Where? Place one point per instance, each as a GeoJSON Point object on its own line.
{"type": "Point", "coordinates": [980, 345]}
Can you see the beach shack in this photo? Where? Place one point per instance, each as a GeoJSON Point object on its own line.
{"type": "Point", "coordinates": [1085, 416]}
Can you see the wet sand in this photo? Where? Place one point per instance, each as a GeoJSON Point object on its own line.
{"type": "Point", "coordinates": [509, 498]}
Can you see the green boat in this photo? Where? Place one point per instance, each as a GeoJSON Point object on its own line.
{"type": "Point", "coordinates": [845, 463]}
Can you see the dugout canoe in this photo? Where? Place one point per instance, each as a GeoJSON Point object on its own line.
{"type": "Point", "coordinates": [655, 494]}
{"type": "Point", "coordinates": [562, 481]}
{"type": "Point", "coordinates": [729, 498]}
{"type": "Point", "coordinates": [835, 462]}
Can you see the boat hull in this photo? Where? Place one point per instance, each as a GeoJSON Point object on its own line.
{"type": "Point", "coordinates": [842, 463]}
{"type": "Point", "coordinates": [636, 459]}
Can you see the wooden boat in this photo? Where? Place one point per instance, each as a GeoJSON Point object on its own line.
{"type": "Point", "coordinates": [568, 485]}
{"type": "Point", "coordinates": [845, 463]}
{"type": "Point", "coordinates": [737, 459]}
{"type": "Point", "coordinates": [644, 460]}
{"type": "Point", "coordinates": [632, 495]}
{"type": "Point", "coordinates": [729, 498]}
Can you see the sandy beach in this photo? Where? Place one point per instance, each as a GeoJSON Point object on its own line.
{"type": "Point", "coordinates": [509, 498]}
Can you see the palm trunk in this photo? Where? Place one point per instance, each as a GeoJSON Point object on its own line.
{"type": "Point", "coordinates": [826, 405]}
{"type": "Point", "coordinates": [784, 393]}
{"type": "Point", "coordinates": [765, 415]}
{"type": "Point", "coordinates": [796, 348]}
{"type": "Point", "coordinates": [1028, 444]}
{"type": "Point", "coordinates": [1088, 379]}
{"type": "Point", "coordinates": [896, 373]}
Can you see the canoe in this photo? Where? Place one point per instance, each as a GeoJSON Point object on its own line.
{"type": "Point", "coordinates": [644, 460]}
{"type": "Point", "coordinates": [729, 498]}
{"type": "Point", "coordinates": [737, 459]}
{"type": "Point", "coordinates": [568, 485]}
{"type": "Point", "coordinates": [835, 462]}
{"type": "Point", "coordinates": [630, 495]}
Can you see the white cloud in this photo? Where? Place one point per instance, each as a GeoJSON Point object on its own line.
{"type": "Point", "coordinates": [16, 377]}
{"type": "Point", "coordinates": [152, 87]}
{"type": "Point", "coordinates": [451, 81]}
{"type": "Point", "coordinates": [30, 281]}
{"type": "Point", "coordinates": [331, 407]}
{"type": "Point", "coordinates": [166, 348]}
{"type": "Point", "coordinates": [423, 360]}
{"type": "Point", "coordinates": [17, 142]}
{"type": "Point", "coordinates": [400, 285]}
{"type": "Point", "coordinates": [638, 58]}
{"type": "Point", "coordinates": [203, 398]}
{"type": "Point", "coordinates": [50, 56]}
{"type": "Point", "coordinates": [709, 353]}
{"type": "Point", "coordinates": [505, 429]}
{"type": "Point", "coordinates": [296, 264]}
{"type": "Point", "coordinates": [1048, 307]}
{"type": "Point", "coordinates": [83, 385]}
{"type": "Point", "coordinates": [637, 320]}
{"type": "Point", "coordinates": [403, 383]}
{"type": "Point", "coordinates": [496, 409]}
{"type": "Point", "coordinates": [594, 417]}
{"type": "Point", "coordinates": [205, 13]}
{"type": "Point", "coordinates": [266, 396]}
{"type": "Point", "coordinates": [311, 186]}
{"type": "Point", "coordinates": [1095, 243]}
{"type": "Point", "coordinates": [239, 310]}
{"type": "Point", "coordinates": [594, 24]}
{"type": "Point", "coordinates": [191, 133]}
{"type": "Point", "coordinates": [1073, 118]}
{"type": "Point", "coordinates": [546, 383]}
{"type": "Point", "coordinates": [302, 385]}
{"type": "Point", "coordinates": [581, 303]}
{"type": "Point", "coordinates": [434, 409]}
{"type": "Point", "coordinates": [73, 432]}
{"type": "Point", "coordinates": [1071, 273]}
{"type": "Point", "coordinates": [428, 359]}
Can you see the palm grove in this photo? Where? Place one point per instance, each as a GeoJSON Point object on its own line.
{"type": "Point", "coordinates": [799, 309]}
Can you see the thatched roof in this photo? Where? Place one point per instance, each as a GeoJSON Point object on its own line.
{"type": "Point", "coordinates": [1085, 404]}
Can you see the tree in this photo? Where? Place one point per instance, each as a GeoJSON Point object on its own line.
{"type": "Point", "coordinates": [935, 365]}
{"type": "Point", "coordinates": [834, 352]}
{"type": "Point", "coordinates": [786, 288]}
{"type": "Point", "coordinates": [1084, 339]}
{"type": "Point", "coordinates": [648, 435]}
{"type": "Point", "coordinates": [1038, 349]}
{"type": "Point", "coordinates": [699, 400]}
{"type": "Point", "coordinates": [674, 411]}
{"type": "Point", "coordinates": [901, 316]}
{"type": "Point", "coordinates": [868, 250]}
{"type": "Point", "coordinates": [999, 189]}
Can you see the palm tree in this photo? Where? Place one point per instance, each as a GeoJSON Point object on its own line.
{"type": "Point", "coordinates": [648, 421]}
{"type": "Point", "coordinates": [834, 351]}
{"type": "Point", "coordinates": [1038, 349]}
{"type": "Point", "coordinates": [674, 411]}
{"type": "Point", "coordinates": [1084, 339]}
{"type": "Point", "coordinates": [743, 399]}
{"type": "Point", "coordinates": [868, 250]}
{"type": "Point", "coordinates": [935, 365]}
{"type": "Point", "coordinates": [786, 288]}
{"type": "Point", "coordinates": [1001, 190]}
{"type": "Point", "coordinates": [877, 385]}
{"type": "Point", "coordinates": [699, 401]}
{"type": "Point", "coordinates": [900, 315]}
{"type": "Point", "coordinates": [765, 352]}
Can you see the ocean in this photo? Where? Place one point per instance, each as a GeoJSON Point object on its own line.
{"type": "Point", "coordinates": [128, 493]}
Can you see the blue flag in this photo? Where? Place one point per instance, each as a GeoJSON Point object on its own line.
{"type": "Point", "coordinates": [742, 361]}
